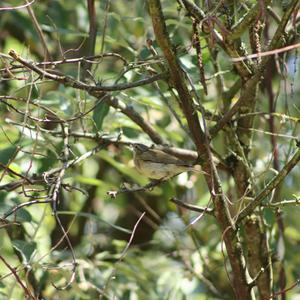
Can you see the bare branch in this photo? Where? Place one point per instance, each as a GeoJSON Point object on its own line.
{"type": "Point", "coordinates": [69, 81]}
{"type": "Point", "coordinates": [270, 186]}
{"type": "Point", "coordinates": [16, 7]}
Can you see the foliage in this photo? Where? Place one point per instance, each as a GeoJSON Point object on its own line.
{"type": "Point", "coordinates": [81, 82]}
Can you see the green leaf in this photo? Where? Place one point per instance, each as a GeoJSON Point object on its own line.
{"type": "Point", "coordinates": [95, 218]}
{"type": "Point", "coordinates": [130, 132]}
{"type": "Point", "coordinates": [25, 248]}
{"type": "Point", "coordinates": [21, 215]}
{"type": "Point", "coordinates": [89, 180]}
{"type": "Point", "coordinates": [145, 53]}
{"type": "Point", "coordinates": [6, 154]}
{"type": "Point", "coordinates": [47, 162]}
{"type": "Point", "coordinates": [130, 172]}
{"type": "Point", "coordinates": [99, 113]}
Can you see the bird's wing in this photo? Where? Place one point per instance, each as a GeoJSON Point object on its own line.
{"type": "Point", "coordinates": [159, 156]}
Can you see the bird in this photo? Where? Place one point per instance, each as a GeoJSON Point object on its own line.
{"type": "Point", "coordinates": [157, 164]}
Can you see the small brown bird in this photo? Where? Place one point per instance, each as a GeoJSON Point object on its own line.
{"type": "Point", "coordinates": [157, 164]}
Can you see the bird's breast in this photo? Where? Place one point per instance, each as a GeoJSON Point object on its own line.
{"type": "Point", "coordinates": [155, 170]}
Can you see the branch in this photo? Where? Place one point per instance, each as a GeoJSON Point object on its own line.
{"type": "Point", "coordinates": [25, 204]}
{"type": "Point", "coordinates": [69, 81]}
{"type": "Point", "coordinates": [201, 139]}
{"type": "Point", "coordinates": [16, 7]}
{"type": "Point", "coordinates": [39, 30]}
{"type": "Point", "coordinates": [230, 50]}
{"type": "Point", "coordinates": [98, 91]}
{"type": "Point", "coordinates": [247, 93]}
{"type": "Point", "coordinates": [89, 59]}
{"type": "Point", "coordinates": [9, 170]}
{"type": "Point", "coordinates": [267, 53]}
{"type": "Point", "coordinates": [191, 207]}
{"type": "Point", "coordinates": [136, 117]}
{"type": "Point", "coordinates": [18, 279]}
{"type": "Point", "coordinates": [122, 255]}
{"type": "Point", "coordinates": [176, 74]}
{"type": "Point", "coordinates": [270, 187]}
{"type": "Point", "coordinates": [246, 21]}
{"type": "Point", "coordinates": [44, 178]}
{"type": "Point", "coordinates": [149, 186]}
{"type": "Point", "coordinates": [283, 203]}
{"type": "Point", "coordinates": [252, 83]}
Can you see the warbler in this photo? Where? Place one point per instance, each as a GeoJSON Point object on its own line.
{"type": "Point", "coordinates": [157, 164]}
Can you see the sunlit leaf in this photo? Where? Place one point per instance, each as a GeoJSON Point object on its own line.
{"type": "Point", "coordinates": [25, 248]}
{"type": "Point", "coordinates": [99, 113]}
{"type": "Point", "coordinates": [6, 154]}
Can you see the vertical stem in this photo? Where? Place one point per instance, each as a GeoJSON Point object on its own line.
{"type": "Point", "coordinates": [240, 273]}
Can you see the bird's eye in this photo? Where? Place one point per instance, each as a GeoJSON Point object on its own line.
{"type": "Point", "coordinates": [139, 147]}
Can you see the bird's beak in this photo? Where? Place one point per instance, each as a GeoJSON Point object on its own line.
{"type": "Point", "coordinates": [129, 146]}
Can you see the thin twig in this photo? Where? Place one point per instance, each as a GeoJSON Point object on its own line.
{"type": "Point", "coordinates": [267, 53]}
{"type": "Point", "coordinates": [191, 207]}
{"type": "Point", "coordinates": [69, 81]}
{"type": "Point", "coordinates": [16, 7]}
{"type": "Point", "coordinates": [122, 255]}
{"type": "Point", "coordinates": [270, 186]}
{"type": "Point", "coordinates": [39, 30]}
{"type": "Point", "coordinates": [18, 279]}
{"type": "Point", "coordinates": [149, 186]}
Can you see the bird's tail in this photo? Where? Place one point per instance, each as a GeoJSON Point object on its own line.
{"type": "Point", "coordinates": [197, 169]}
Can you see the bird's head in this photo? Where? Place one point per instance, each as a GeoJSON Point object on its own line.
{"type": "Point", "coordinates": [139, 148]}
